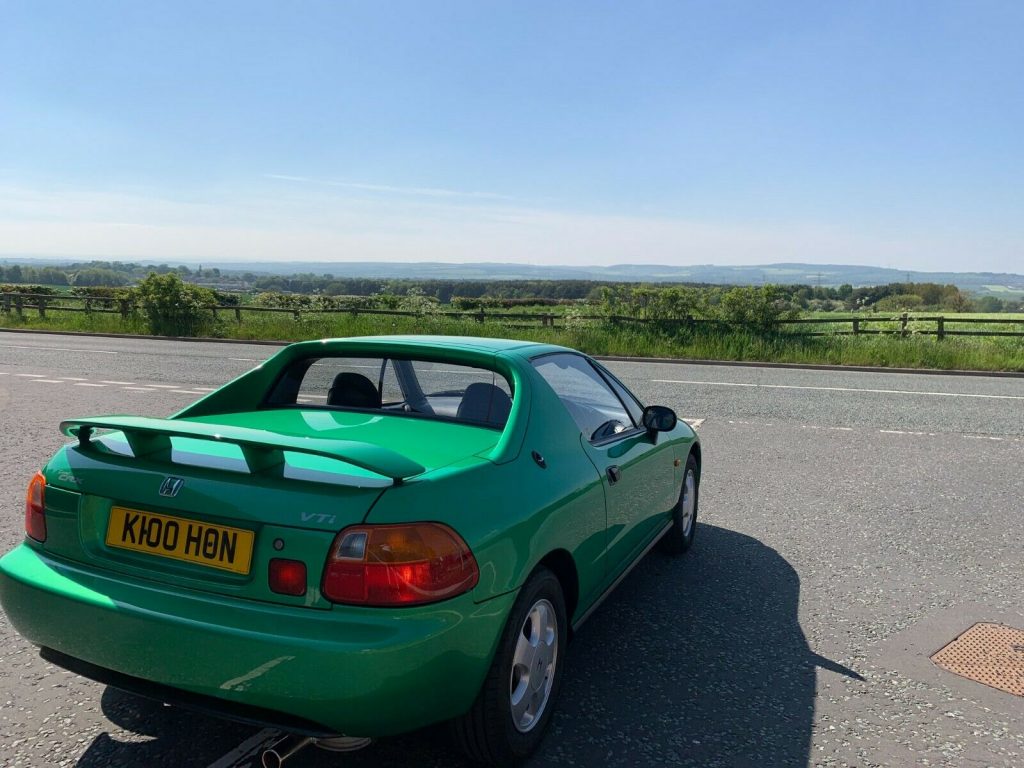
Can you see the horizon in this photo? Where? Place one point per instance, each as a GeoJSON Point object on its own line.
{"type": "Point", "coordinates": [662, 134]}
{"type": "Point", "coordinates": [996, 284]}
{"type": "Point", "coordinates": [28, 259]}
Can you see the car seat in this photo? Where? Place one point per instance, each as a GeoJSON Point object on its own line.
{"type": "Point", "coordinates": [353, 390]}
{"type": "Point", "coordinates": [484, 403]}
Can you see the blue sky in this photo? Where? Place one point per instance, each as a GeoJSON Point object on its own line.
{"type": "Point", "coordinates": [887, 133]}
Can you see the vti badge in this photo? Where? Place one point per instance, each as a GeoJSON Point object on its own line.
{"type": "Point", "coordinates": [170, 486]}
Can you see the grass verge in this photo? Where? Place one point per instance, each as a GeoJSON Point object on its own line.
{"type": "Point", "coordinates": [598, 338]}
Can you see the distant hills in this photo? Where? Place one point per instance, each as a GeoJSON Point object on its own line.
{"type": "Point", "coordinates": [785, 273]}
{"type": "Point", "coordinates": [998, 284]}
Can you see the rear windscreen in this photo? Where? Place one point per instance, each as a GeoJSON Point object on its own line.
{"type": "Point", "coordinates": [425, 388]}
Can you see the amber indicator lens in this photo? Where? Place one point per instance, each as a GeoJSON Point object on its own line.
{"type": "Point", "coordinates": [35, 508]}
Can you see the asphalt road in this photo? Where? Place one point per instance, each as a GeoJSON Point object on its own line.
{"type": "Point", "coordinates": [852, 524]}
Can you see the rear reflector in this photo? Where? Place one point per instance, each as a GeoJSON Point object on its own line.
{"type": "Point", "coordinates": [390, 565]}
{"type": "Point", "coordinates": [35, 508]}
{"type": "Point", "coordinates": [287, 577]}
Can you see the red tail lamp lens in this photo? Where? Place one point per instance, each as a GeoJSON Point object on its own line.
{"type": "Point", "coordinates": [398, 565]}
{"type": "Point", "coordinates": [35, 509]}
{"type": "Point", "coordinates": [287, 577]}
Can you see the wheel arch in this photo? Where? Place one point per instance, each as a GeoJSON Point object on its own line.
{"type": "Point", "coordinates": [562, 564]}
{"type": "Point", "coordinates": [695, 452]}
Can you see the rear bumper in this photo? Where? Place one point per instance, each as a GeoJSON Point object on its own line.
{"type": "Point", "coordinates": [356, 671]}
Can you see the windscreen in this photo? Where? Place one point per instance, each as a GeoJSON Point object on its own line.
{"type": "Point", "coordinates": [413, 387]}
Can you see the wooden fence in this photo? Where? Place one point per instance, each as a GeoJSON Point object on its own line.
{"type": "Point", "coordinates": [904, 324]}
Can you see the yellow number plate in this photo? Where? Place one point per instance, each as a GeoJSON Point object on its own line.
{"type": "Point", "coordinates": [217, 546]}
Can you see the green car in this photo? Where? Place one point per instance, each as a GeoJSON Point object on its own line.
{"type": "Point", "coordinates": [359, 537]}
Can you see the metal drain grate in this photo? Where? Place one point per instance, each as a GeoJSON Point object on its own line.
{"type": "Point", "coordinates": [992, 654]}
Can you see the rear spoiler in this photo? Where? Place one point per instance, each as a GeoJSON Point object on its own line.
{"type": "Point", "coordinates": [263, 450]}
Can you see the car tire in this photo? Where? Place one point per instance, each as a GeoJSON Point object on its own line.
{"type": "Point", "coordinates": [679, 537]}
{"type": "Point", "coordinates": [511, 713]}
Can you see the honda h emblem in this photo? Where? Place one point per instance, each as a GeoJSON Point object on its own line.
{"type": "Point", "coordinates": [170, 486]}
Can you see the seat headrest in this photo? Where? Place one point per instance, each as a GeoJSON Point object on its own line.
{"type": "Point", "coordinates": [485, 403]}
{"type": "Point", "coordinates": [354, 391]}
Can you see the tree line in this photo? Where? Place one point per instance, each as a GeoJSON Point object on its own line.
{"type": "Point", "coordinates": [482, 294]}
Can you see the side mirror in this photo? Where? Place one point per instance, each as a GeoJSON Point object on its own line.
{"type": "Point", "coordinates": [658, 418]}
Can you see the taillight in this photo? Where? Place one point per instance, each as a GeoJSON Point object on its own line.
{"type": "Point", "coordinates": [35, 510]}
{"type": "Point", "coordinates": [398, 565]}
{"type": "Point", "coordinates": [287, 577]}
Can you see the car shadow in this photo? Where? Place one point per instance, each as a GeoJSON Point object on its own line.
{"type": "Point", "coordinates": [698, 660]}
{"type": "Point", "coordinates": [162, 735]}
{"type": "Point", "coordinates": [692, 661]}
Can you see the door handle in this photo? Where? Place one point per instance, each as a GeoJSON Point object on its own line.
{"type": "Point", "coordinates": [614, 475]}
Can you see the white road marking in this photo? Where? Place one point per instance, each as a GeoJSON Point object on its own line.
{"type": "Point", "coordinates": [694, 422]}
{"type": "Point", "coordinates": [31, 375]}
{"type": "Point", "coordinates": [104, 381]}
{"type": "Point", "coordinates": [164, 386]}
{"type": "Point", "coordinates": [245, 359]}
{"type": "Point", "coordinates": [251, 747]}
{"type": "Point", "coordinates": [185, 392]}
{"type": "Point", "coordinates": [88, 384]}
{"type": "Point", "coordinates": [139, 389]}
{"type": "Point", "coordinates": [839, 389]}
{"type": "Point", "coordinates": [204, 389]}
{"type": "Point", "coordinates": [72, 378]}
{"type": "Point", "coordinates": [905, 432]}
{"type": "Point", "coordinates": [61, 349]}
{"type": "Point", "coordinates": [47, 381]}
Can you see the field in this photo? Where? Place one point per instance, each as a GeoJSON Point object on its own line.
{"type": "Point", "coordinates": [880, 342]}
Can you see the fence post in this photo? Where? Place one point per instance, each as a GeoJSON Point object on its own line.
{"type": "Point", "coordinates": [19, 304]}
{"type": "Point", "coordinates": [215, 312]}
{"type": "Point", "coordinates": [7, 303]}
{"type": "Point", "coordinates": [903, 324]}
{"type": "Point", "coordinates": [238, 314]}
{"type": "Point", "coordinates": [123, 306]}
{"type": "Point", "coordinates": [856, 326]}
{"type": "Point", "coordinates": [295, 315]}
{"type": "Point", "coordinates": [88, 305]}
{"type": "Point", "coordinates": [940, 328]}
{"type": "Point", "coordinates": [480, 315]}
{"type": "Point", "coordinates": [42, 307]}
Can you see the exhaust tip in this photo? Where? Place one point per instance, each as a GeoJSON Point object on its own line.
{"type": "Point", "coordinates": [289, 746]}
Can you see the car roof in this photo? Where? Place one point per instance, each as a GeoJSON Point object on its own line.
{"type": "Point", "coordinates": [475, 343]}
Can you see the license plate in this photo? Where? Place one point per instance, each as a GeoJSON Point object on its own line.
{"type": "Point", "coordinates": [218, 546]}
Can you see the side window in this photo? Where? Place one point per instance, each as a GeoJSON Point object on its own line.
{"type": "Point", "coordinates": [592, 404]}
{"type": "Point", "coordinates": [632, 405]}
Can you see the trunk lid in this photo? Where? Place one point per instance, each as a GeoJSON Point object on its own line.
{"type": "Point", "coordinates": [207, 503]}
